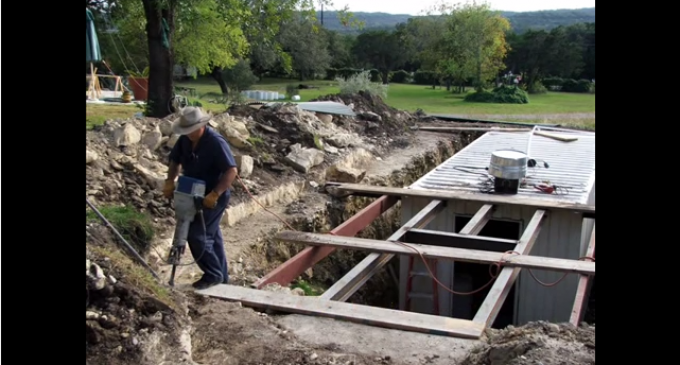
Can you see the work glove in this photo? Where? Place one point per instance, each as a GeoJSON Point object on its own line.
{"type": "Point", "coordinates": [168, 188]}
{"type": "Point", "coordinates": [210, 201]}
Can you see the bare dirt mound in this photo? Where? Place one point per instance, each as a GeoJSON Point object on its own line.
{"type": "Point", "coordinates": [536, 343]}
{"type": "Point", "coordinates": [374, 116]}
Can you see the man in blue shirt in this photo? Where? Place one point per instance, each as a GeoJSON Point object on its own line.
{"type": "Point", "coordinates": [204, 154]}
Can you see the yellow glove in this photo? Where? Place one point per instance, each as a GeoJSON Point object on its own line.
{"type": "Point", "coordinates": [210, 201]}
{"type": "Point", "coordinates": [168, 188]}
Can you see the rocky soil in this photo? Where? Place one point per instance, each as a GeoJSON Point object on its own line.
{"type": "Point", "coordinates": [126, 160]}
{"type": "Point", "coordinates": [536, 343]}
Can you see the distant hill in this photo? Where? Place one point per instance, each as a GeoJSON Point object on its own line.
{"type": "Point", "coordinates": [520, 21]}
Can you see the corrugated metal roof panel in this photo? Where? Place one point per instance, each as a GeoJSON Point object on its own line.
{"type": "Point", "coordinates": [325, 107]}
{"type": "Point", "coordinates": [572, 166]}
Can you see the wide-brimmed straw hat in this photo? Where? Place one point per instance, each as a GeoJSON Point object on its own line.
{"type": "Point", "coordinates": [191, 118]}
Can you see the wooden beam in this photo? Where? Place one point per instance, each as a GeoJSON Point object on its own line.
{"type": "Point", "coordinates": [344, 288]}
{"type": "Point", "coordinates": [582, 288]}
{"type": "Point", "coordinates": [471, 129]}
{"type": "Point", "coordinates": [457, 240]}
{"type": "Point", "coordinates": [308, 257]}
{"type": "Point", "coordinates": [435, 252]}
{"type": "Point", "coordinates": [374, 316]}
{"type": "Point", "coordinates": [503, 284]}
{"type": "Point", "coordinates": [495, 199]}
{"type": "Point", "coordinates": [556, 136]}
{"type": "Point", "coordinates": [478, 221]}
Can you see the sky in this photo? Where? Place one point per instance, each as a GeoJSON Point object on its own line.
{"type": "Point", "coordinates": [415, 7]}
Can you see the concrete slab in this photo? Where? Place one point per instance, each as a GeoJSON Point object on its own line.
{"type": "Point", "coordinates": [410, 347]}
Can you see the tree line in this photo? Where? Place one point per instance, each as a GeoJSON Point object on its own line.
{"type": "Point", "coordinates": [468, 45]}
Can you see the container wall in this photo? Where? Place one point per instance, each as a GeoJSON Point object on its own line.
{"type": "Point", "coordinates": [560, 237]}
{"type": "Point", "coordinates": [424, 284]}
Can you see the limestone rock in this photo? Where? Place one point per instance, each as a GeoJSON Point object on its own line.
{"type": "Point", "coordinates": [341, 140]}
{"type": "Point", "coordinates": [346, 174]}
{"type": "Point", "coordinates": [165, 126]}
{"type": "Point", "coordinates": [152, 139]}
{"type": "Point", "coordinates": [304, 159]}
{"type": "Point", "coordinates": [127, 135]}
{"type": "Point", "coordinates": [244, 164]}
{"type": "Point", "coordinates": [90, 156]}
{"type": "Point", "coordinates": [325, 118]}
{"type": "Point", "coordinates": [95, 277]}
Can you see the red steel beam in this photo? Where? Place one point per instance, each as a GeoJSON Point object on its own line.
{"type": "Point", "coordinates": [582, 289]}
{"type": "Point", "coordinates": [308, 257]}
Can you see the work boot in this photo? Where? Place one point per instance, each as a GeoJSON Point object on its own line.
{"type": "Point", "coordinates": [204, 284]}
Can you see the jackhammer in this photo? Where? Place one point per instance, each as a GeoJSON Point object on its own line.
{"type": "Point", "coordinates": [188, 198]}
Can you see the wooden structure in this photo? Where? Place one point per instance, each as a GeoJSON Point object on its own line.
{"type": "Point", "coordinates": [94, 90]}
{"type": "Point", "coordinates": [430, 206]}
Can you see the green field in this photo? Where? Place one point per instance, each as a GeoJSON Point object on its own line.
{"type": "Point", "coordinates": [541, 108]}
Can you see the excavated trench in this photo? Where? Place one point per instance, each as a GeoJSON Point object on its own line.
{"type": "Point", "coordinates": [382, 289]}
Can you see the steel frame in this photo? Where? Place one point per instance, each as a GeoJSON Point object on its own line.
{"type": "Point", "coordinates": [465, 246]}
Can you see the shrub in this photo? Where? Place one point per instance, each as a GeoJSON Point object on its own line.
{"type": "Point", "coordinates": [537, 88]}
{"type": "Point", "coordinates": [239, 77]}
{"type": "Point", "coordinates": [580, 86]}
{"type": "Point", "coordinates": [401, 77]}
{"type": "Point", "coordinates": [425, 78]}
{"type": "Point", "coordinates": [375, 75]}
{"type": "Point", "coordinates": [361, 82]}
{"type": "Point", "coordinates": [500, 95]}
{"type": "Point", "coordinates": [553, 82]}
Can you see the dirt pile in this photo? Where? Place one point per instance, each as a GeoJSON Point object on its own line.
{"type": "Point", "coordinates": [128, 317]}
{"type": "Point", "coordinates": [131, 319]}
{"type": "Point", "coordinates": [536, 343]}
{"type": "Point", "coordinates": [374, 117]}
{"type": "Point", "coordinates": [126, 160]}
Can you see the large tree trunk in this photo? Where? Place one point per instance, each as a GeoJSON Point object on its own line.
{"type": "Point", "coordinates": [160, 57]}
{"type": "Point", "coordinates": [216, 74]}
{"type": "Point", "coordinates": [385, 76]}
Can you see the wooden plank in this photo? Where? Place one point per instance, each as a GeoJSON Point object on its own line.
{"type": "Point", "coordinates": [494, 199]}
{"type": "Point", "coordinates": [503, 284]}
{"type": "Point", "coordinates": [478, 221]}
{"type": "Point", "coordinates": [308, 257]}
{"type": "Point", "coordinates": [373, 316]}
{"type": "Point", "coordinates": [471, 129]}
{"type": "Point", "coordinates": [455, 254]}
{"type": "Point", "coordinates": [555, 136]}
{"type": "Point", "coordinates": [344, 288]}
{"type": "Point", "coordinates": [582, 288]}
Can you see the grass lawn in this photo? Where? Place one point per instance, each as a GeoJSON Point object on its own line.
{"type": "Point", "coordinates": [400, 96]}
{"type": "Point", "coordinates": [97, 113]}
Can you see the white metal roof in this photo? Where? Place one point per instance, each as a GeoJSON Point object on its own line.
{"type": "Point", "coordinates": [572, 165]}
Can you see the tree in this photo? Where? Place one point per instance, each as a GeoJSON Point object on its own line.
{"type": "Point", "coordinates": [381, 50]}
{"type": "Point", "coordinates": [306, 45]}
{"type": "Point", "coordinates": [474, 41]}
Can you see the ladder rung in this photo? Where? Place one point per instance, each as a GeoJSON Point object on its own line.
{"type": "Point", "coordinates": [420, 295]}
{"type": "Point", "coordinates": [420, 273]}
